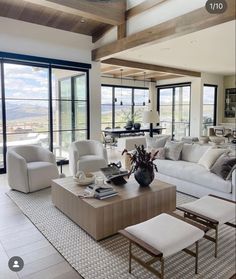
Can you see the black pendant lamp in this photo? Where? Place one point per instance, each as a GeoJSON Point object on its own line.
{"type": "Point", "coordinates": [121, 82]}
{"type": "Point", "coordinates": [144, 104]}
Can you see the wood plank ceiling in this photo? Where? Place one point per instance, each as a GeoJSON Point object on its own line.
{"type": "Point", "coordinates": [134, 73]}
{"type": "Point", "coordinates": [43, 15]}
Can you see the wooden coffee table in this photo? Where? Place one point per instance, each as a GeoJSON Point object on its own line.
{"type": "Point", "coordinates": [103, 218]}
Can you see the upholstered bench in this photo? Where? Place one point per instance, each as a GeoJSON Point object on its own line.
{"type": "Point", "coordinates": [211, 211]}
{"type": "Point", "coordinates": [163, 236]}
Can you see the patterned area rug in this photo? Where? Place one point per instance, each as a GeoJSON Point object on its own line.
{"type": "Point", "coordinates": [108, 259]}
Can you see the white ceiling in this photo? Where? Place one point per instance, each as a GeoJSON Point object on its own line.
{"type": "Point", "coordinates": [210, 50]}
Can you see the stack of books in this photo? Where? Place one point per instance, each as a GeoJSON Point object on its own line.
{"type": "Point", "coordinates": [102, 193]}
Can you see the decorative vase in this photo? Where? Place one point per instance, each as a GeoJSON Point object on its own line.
{"type": "Point", "coordinates": [144, 176]}
{"type": "Point", "coordinates": [137, 126]}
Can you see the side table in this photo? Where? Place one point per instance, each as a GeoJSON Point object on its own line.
{"type": "Point", "coordinates": [61, 161]}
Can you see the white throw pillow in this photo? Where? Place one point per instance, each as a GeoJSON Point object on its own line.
{"type": "Point", "coordinates": [210, 156]}
{"type": "Point", "coordinates": [157, 141]}
{"type": "Point", "coordinates": [173, 150]}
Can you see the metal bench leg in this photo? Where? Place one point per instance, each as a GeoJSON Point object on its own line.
{"type": "Point", "coordinates": [162, 268]}
{"type": "Point", "coordinates": [130, 252]}
{"type": "Point", "coordinates": [196, 259]}
{"type": "Point", "coordinates": [216, 243]}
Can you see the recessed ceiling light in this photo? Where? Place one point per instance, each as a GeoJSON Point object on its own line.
{"type": "Point", "coordinates": [82, 20]}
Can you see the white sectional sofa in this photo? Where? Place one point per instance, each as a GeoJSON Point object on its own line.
{"type": "Point", "coordinates": [192, 178]}
{"type": "Point", "coordinates": [188, 176]}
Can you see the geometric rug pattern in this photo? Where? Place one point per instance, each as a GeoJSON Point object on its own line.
{"type": "Point", "coordinates": [108, 259]}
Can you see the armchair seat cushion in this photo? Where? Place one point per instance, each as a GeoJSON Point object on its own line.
{"type": "Point", "coordinates": [90, 163]}
{"type": "Point", "coordinates": [40, 174]}
{"type": "Point", "coordinates": [166, 233]}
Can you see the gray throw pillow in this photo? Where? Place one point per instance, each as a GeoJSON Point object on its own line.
{"type": "Point", "coordinates": [223, 166]}
{"type": "Point", "coordinates": [173, 150]}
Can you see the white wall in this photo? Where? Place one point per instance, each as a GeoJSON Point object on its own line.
{"type": "Point", "coordinates": [32, 39]}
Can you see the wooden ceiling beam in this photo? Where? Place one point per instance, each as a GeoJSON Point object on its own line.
{"type": "Point", "coordinates": [142, 7]}
{"type": "Point", "coordinates": [98, 34]}
{"type": "Point", "coordinates": [185, 24]}
{"type": "Point", "coordinates": [109, 69]}
{"type": "Point", "coordinates": [166, 77]}
{"type": "Point", "coordinates": [110, 11]}
{"type": "Point", "coordinates": [144, 66]}
{"type": "Point", "coordinates": [129, 73]}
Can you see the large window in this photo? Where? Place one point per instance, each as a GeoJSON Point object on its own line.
{"type": "Point", "coordinates": [42, 103]}
{"type": "Point", "coordinates": [120, 104]}
{"type": "Point", "coordinates": [209, 107]}
{"type": "Point", "coordinates": [26, 104]}
{"type": "Point", "coordinates": [69, 100]}
{"type": "Point", "coordinates": [174, 109]}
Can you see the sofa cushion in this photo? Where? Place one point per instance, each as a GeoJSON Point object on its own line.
{"type": "Point", "coordinates": [156, 142]}
{"type": "Point", "coordinates": [193, 152]}
{"type": "Point", "coordinates": [210, 156]}
{"type": "Point", "coordinates": [173, 150]}
{"type": "Point", "coordinates": [193, 172]}
{"type": "Point", "coordinates": [223, 166]}
{"type": "Point", "coordinates": [161, 153]}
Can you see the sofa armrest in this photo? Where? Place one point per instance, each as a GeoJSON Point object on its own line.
{"type": "Point", "coordinates": [17, 172]}
{"type": "Point", "coordinates": [234, 185]}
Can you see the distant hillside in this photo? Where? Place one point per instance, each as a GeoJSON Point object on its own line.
{"type": "Point", "coordinates": [15, 111]}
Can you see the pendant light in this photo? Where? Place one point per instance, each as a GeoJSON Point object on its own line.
{"type": "Point", "coordinates": [144, 104]}
{"type": "Point", "coordinates": [121, 82]}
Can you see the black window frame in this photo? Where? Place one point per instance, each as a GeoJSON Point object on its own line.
{"type": "Point", "coordinates": [173, 87]}
{"type": "Point", "coordinates": [50, 64]}
{"type": "Point", "coordinates": [113, 98]}
{"type": "Point", "coordinates": [215, 101]}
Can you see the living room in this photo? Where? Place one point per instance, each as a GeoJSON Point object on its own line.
{"type": "Point", "coordinates": [74, 76]}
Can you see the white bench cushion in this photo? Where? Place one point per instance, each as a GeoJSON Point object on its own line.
{"type": "Point", "coordinates": [166, 233]}
{"type": "Point", "coordinates": [217, 209]}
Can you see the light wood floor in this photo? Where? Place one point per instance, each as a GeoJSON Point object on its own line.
{"type": "Point", "coordinates": [19, 237]}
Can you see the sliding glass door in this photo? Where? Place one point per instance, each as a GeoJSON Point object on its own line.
{"type": "Point", "coordinates": [42, 104]}
{"type": "Point", "coordinates": [174, 109]}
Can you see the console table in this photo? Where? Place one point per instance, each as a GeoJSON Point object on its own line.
{"type": "Point", "coordinates": [118, 132]}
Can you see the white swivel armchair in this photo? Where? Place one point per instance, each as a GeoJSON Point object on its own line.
{"type": "Point", "coordinates": [30, 168]}
{"type": "Point", "coordinates": [87, 156]}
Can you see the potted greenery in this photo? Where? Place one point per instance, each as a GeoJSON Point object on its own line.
{"type": "Point", "coordinates": [142, 165]}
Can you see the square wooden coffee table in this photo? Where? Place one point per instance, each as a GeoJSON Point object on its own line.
{"type": "Point", "coordinates": [103, 218]}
